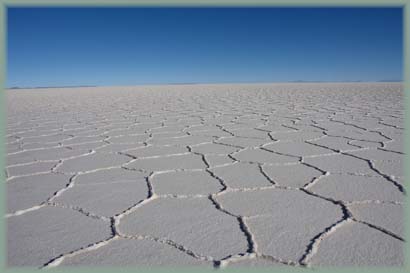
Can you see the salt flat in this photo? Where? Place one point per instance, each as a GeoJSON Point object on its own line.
{"type": "Point", "coordinates": [285, 174]}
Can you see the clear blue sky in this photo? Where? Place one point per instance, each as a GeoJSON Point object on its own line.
{"type": "Point", "coordinates": [113, 46]}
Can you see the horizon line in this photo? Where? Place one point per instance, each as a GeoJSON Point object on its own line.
{"type": "Point", "coordinates": [194, 83]}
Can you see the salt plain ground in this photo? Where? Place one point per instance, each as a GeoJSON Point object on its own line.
{"type": "Point", "coordinates": [209, 175]}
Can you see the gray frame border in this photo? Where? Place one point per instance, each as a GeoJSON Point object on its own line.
{"type": "Point", "coordinates": [4, 4]}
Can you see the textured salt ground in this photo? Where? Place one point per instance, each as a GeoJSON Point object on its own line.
{"type": "Point", "coordinates": [185, 183]}
{"type": "Point", "coordinates": [134, 252]}
{"type": "Point", "coordinates": [379, 249]}
{"type": "Point", "coordinates": [48, 232]}
{"type": "Point", "coordinates": [259, 175]}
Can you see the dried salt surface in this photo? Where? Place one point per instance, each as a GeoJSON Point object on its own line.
{"type": "Point", "coordinates": [340, 163]}
{"type": "Point", "coordinates": [44, 234]}
{"type": "Point", "coordinates": [241, 175]}
{"type": "Point", "coordinates": [92, 162]}
{"type": "Point", "coordinates": [336, 143]}
{"type": "Point", "coordinates": [356, 244]}
{"type": "Point", "coordinates": [198, 226]}
{"type": "Point", "coordinates": [263, 156]}
{"type": "Point", "coordinates": [121, 147]}
{"type": "Point", "coordinates": [394, 168]}
{"type": "Point", "coordinates": [251, 133]}
{"type": "Point", "coordinates": [211, 175]}
{"type": "Point", "coordinates": [114, 175]}
{"type": "Point", "coordinates": [242, 141]}
{"type": "Point", "coordinates": [135, 252]}
{"type": "Point", "coordinates": [129, 139]}
{"type": "Point", "coordinates": [155, 151]}
{"type": "Point", "coordinates": [395, 145]}
{"type": "Point", "coordinates": [388, 216]}
{"type": "Point", "coordinates": [168, 163]}
{"type": "Point", "coordinates": [297, 149]}
{"type": "Point", "coordinates": [28, 191]}
{"type": "Point", "coordinates": [296, 136]}
{"type": "Point", "coordinates": [31, 168]}
{"type": "Point", "coordinates": [47, 139]}
{"type": "Point", "coordinates": [377, 155]}
{"type": "Point", "coordinates": [88, 146]}
{"type": "Point", "coordinates": [366, 144]}
{"type": "Point", "coordinates": [295, 176]}
{"type": "Point", "coordinates": [215, 149]}
{"type": "Point", "coordinates": [105, 199]}
{"type": "Point", "coordinates": [181, 141]}
{"type": "Point", "coordinates": [82, 139]}
{"type": "Point", "coordinates": [254, 262]}
{"type": "Point", "coordinates": [218, 160]}
{"type": "Point", "coordinates": [356, 188]}
{"type": "Point", "coordinates": [51, 154]}
{"type": "Point", "coordinates": [275, 217]}
{"type": "Point", "coordinates": [185, 183]}
{"type": "Point", "coordinates": [359, 134]}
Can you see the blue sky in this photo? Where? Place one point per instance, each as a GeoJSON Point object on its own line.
{"type": "Point", "coordinates": [130, 46]}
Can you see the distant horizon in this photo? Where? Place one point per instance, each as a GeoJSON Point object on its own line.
{"type": "Point", "coordinates": [75, 47]}
{"type": "Point", "coordinates": [195, 83]}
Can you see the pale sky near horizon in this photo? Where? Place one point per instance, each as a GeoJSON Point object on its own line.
{"type": "Point", "coordinates": [127, 46]}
